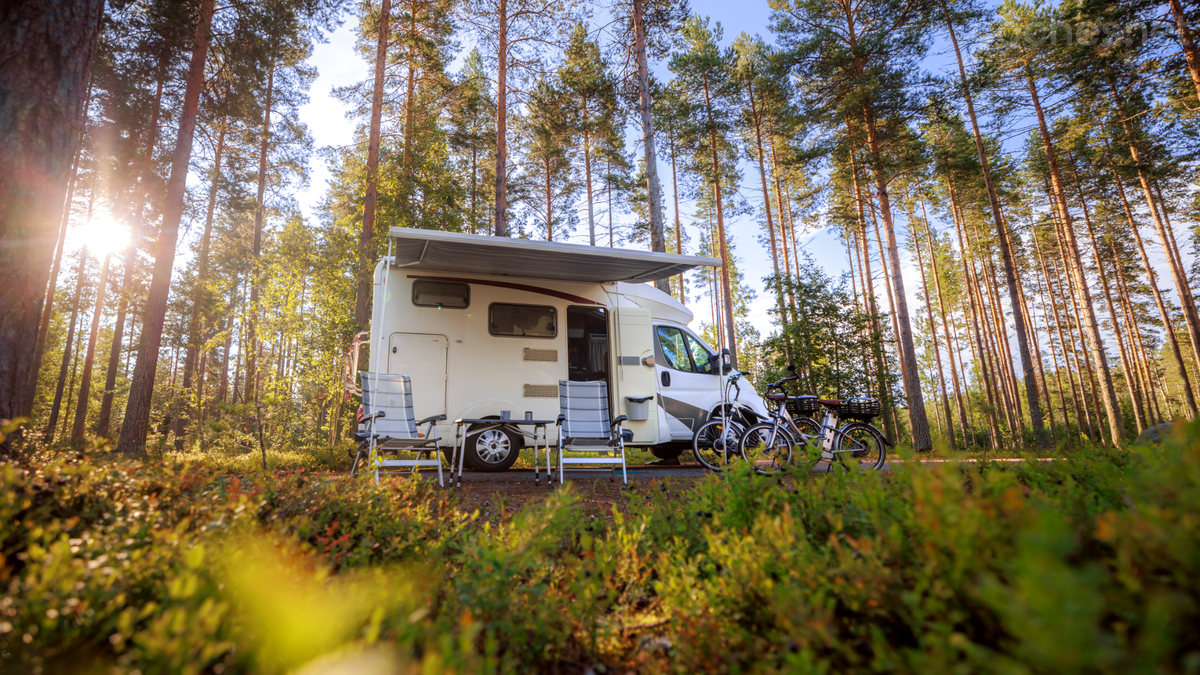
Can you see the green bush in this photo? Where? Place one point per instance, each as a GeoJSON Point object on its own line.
{"type": "Point", "coordinates": [1084, 564]}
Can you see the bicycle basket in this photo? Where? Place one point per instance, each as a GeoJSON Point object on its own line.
{"type": "Point", "coordinates": [859, 408]}
{"type": "Point", "coordinates": [802, 406]}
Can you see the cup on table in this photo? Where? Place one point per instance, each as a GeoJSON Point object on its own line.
{"type": "Point", "coordinates": [528, 415]}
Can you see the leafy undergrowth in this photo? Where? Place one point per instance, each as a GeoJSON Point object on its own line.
{"type": "Point", "coordinates": [1088, 564]}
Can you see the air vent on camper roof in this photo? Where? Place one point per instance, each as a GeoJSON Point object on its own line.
{"type": "Point", "coordinates": [541, 391]}
{"type": "Point", "coordinates": [550, 355]}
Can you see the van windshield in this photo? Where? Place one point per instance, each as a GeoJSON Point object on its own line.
{"type": "Point", "coordinates": [701, 355]}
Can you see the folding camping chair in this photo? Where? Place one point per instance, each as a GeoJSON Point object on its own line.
{"type": "Point", "coordinates": [585, 427]}
{"type": "Point", "coordinates": [388, 413]}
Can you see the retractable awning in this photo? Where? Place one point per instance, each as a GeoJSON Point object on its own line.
{"type": "Point", "coordinates": [502, 256]}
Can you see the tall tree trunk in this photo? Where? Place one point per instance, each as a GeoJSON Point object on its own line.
{"type": "Point", "coordinates": [500, 219]}
{"type": "Point", "coordinates": [1006, 254]}
{"type": "Point", "coordinates": [104, 421]}
{"type": "Point", "coordinates": [937, 283]}
{"type": "Point", "coordinates": [366, 240]}
{"type": "Point", "coordinates": [726, 286]}
{"type": "Point", "coordinates": [974, 327]}
{"type": "Point", "coordinates": [1151, 278]}
{"type": "Point", "coordinates": [908, 353]}
{"type": "Point", "coordinates": [933, 334]}
{"type": "Point", "coordinates": [136, 425]}
{"type": "Point", "coordinates": [885, 395]}
{"type": "Point", "coordinates": [193, 335]}
{"type": "Point", "coordinates": [85, 382]}
{"type": "Point", "coordinates": [1061, 341]}
{"type": "Point", "coordinates": [678, 224]}
{"type": "Point", "coordinates": [46, 52]}
{"type": "Point", "coordinates": [657, 239]}
{"type": "Point", "coordinates": [1188, 42]}
{"type": "Point", "coordinates": [1130, 384]}
{"type": "Point", "coordinates": [762, 174]}
{"type": "Point", "coordinates": [55, 407]}
{"type": "Point", "coordinates": [587, 180]}
{"type": "Point", "coordinates": [1100, 361]}
{"type": "Point", "coordinates": [52, 286]}
{"type": "Point", "coordinates": [252, 368]}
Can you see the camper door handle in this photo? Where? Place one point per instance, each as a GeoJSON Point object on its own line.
{"type": "Point", "coordinates": [666, 379]}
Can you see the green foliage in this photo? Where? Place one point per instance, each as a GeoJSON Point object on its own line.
{"type": "Point", "coordinates": [1083, 564]}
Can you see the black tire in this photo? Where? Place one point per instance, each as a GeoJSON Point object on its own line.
{"type": "Point", "coordinates": [492, 450]}
{"type": "Point", "coordinates": [767, 447]}
{"type": "Point", "coordinates": [715, 444]}
{"type": "Point", "coordinates": [860, 446]}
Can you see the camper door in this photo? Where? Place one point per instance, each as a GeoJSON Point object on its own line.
{"type": "Point", "coordinates": [635, 380]}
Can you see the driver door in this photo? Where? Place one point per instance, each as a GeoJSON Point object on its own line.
{"type": "Point", "coordinates": [685, 379]}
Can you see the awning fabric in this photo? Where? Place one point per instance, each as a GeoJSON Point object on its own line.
{"type": "Point", "coordinates": [503, 256]}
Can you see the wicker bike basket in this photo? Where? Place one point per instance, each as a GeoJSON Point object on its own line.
{"type": "Point", "coordinates": [802, 406]}
{"type": "Point", "coordinates": [859, 408]}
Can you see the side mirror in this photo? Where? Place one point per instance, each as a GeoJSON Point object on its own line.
{"type": "Point", "coordinates": [722, 363]}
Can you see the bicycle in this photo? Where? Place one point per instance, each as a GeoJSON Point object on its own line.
{"type": "Point", "coordinates": [856, 440]}
{"type": "Point", "coordinates": [717, 443]}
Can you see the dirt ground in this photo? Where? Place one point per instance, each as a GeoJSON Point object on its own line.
{"type": "Point", "coordinates": [497, 496]}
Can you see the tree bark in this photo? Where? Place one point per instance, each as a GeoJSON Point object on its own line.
{"type": "Point", "coordinates": [500, 219]}
{"type": "Point", "coordinates": [366, 240]}
{"type": "Point", "coordinates": [1188, 43]}
{"type": "Point", "coordinates": [104, 421]}
{"type": "Point", "coordinates": [52, 286]}
{"type": "Point", "coordinates": [762, 174]}
{"type": "Point", "coordinates": [252, 374]}
{"type": "Point", "coordinates": [85, 381]}
{"type": "Point", "coordinates": [46, 52]}
{"type": "Point", "coordinates": [56, 406]}
{"type": "Point", "coordinates": [1100, 361]}
{"type": "Point", "coordinates": [657, 238]}
{"type": "Point", "coordinates": [1151, 278]}
{"type": "Point", "coordinates": [1006, 254]}
{"type": "Point", "coordinates": [726, 286]}
{"type": "Point", "coordinates": [912, 382]}
{"type": "Point", "coordinates": [136, 425]}
{"type": "Point", "coordinates": [193, 335]}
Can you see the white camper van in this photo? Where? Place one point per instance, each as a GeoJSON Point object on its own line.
{"type": "Point", "coordinates": [489, 324]}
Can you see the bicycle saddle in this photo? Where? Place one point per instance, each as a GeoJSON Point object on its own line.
{"type": "Point", "coordinates": [776, 397]}
{"type": "Point", "coordinates": [831, 402]}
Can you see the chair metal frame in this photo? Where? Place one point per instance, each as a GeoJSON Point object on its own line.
{"type": "Point", "coordinates": [613, 441]}
{"type": "Point", "coordinates": [415, 441]}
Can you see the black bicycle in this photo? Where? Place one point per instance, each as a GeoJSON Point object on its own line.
{"type": "Point", "coordinates": [857, 443]}
{"type": "Point", "coordinates": [717, 444]}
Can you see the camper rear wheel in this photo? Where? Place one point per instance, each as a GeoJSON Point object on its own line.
{"type": "Point", "coordinates": [491, 450]}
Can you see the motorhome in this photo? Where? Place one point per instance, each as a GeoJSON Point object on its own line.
{"type": "Point", "coordinates": [488, 326]}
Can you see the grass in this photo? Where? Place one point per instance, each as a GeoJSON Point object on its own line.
{"type": "Point", "coordinates": [209, 566]}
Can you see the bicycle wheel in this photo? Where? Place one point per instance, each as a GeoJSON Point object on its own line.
{"type": "Point", "coordinates": [767, 447]}
{"type": "Point", "coordinates": [715, 444]}
{"type": "Point", "coordinates": [810, 441]}
{"type": "Point", "coordinates": [860, 445]}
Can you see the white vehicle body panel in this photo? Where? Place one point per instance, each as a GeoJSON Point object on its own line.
{"type": "Point", "coordinates": [462, 370]}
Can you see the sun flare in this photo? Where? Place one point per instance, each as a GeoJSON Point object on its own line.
{"type": "Point", "coordinates": [102, 234]}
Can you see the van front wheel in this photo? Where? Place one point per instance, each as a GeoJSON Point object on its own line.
{"type": "Point", "coordinates": [491, 450]}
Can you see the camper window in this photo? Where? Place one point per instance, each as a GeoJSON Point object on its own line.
{"type": "Point", "coordinates": [441, 294]}
{"type": "Point", "coordinates": [522, 320]}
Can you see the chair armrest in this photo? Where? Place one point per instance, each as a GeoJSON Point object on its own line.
{"type": "Point", "coordinates": [431, 420]}
{"type": "Point", "coordinates": [561, 418]}
{"type": "Point", "coordinates": [617, 421]}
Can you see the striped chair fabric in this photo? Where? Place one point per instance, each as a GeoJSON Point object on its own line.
{"type": "Point", "coordinates": [393, 395]}
{"type": "Point", "coordinates": [585, 405]}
